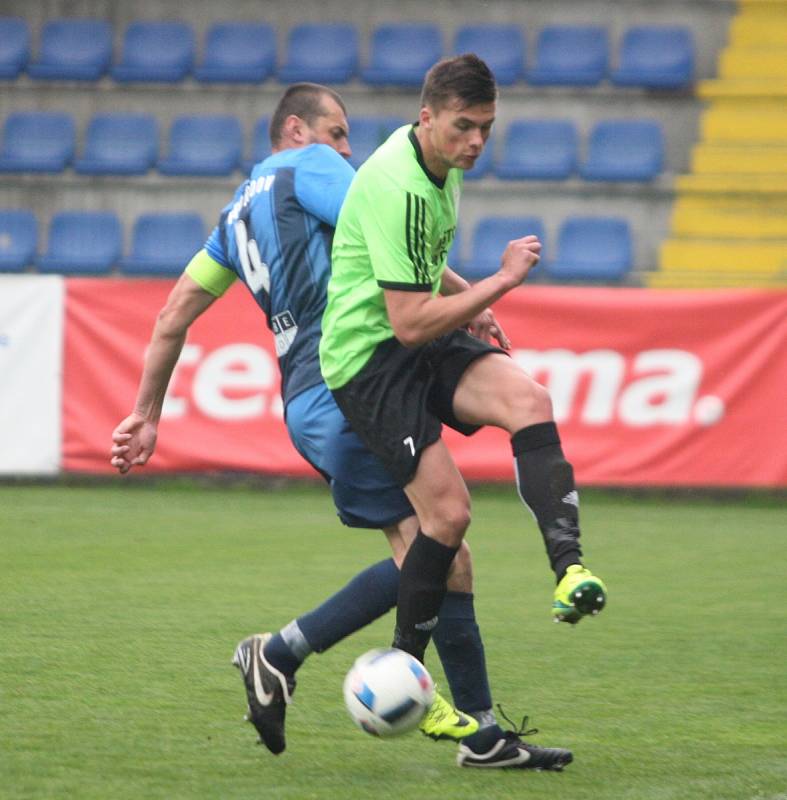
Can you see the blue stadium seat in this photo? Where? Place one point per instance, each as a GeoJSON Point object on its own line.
{"type": "Point", "coordinates": [322, 53]}
{"type": "Point", "coordinates": [570, 55]}
{"type": "Point", "coordinates": [501, 46]}
{"type": "Point", "coordinates": [73, 49]}
{"type": "Point", "coordinates": [156, 51]}
{"type": "Point", "coordinates": [400, 54]}
{"type": "Point", "coordinates": [203, 145]}
{"type": "Point", "coordinates": [86, 242]}
{"type": "Point", "coordinates": [483, 164]}
{"type": "Point", "coordinates": [119, 144]}
{"type": "Point", "coordinates": [14, 46]}
{"type": "Point", "coordinates": [656, 57]}
{"type": "Point", "coordinates": [368, 133]}
{"type": "Point", "coordinates": [624, 150]}
{"type": "Point", "coordinates": [162, 244]}
{"type": "Point", "coordinates": [592, 249]}
{"type": "Point", "coordinates": [260, 143]}
{"type": "Point", "coordinates": [490, 239]}
{"type": "Point", "coordinates": [238, 52]}
{"type": "Point", "coordinates": [539, 150]}
{"type": "Point", "coordinates": [37, 141]}
{"type": "Point", "coordinates": [18, 238]}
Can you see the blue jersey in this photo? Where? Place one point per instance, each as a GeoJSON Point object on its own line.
{"type": "Point", "coordinates": [276, 235]}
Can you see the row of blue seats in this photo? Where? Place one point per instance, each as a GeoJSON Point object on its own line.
{"type": "Point", "coordinates": [91, 242]}
{"type": "Point", "coordinates": [588, 248]}
{"type": "Point", "coordinates": [399, 54]}
{"type": "Point", "coordinates": [127, 144]}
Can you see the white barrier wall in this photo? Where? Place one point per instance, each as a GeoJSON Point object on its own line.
{"type": "Point", "coordinates": [31, 357]}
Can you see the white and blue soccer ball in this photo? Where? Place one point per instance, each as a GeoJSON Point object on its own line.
{"type": "Point", "coordinates": [387, 692]}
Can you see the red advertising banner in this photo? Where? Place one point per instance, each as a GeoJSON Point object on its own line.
{"type": "Point", "coordinates": [223, 409]}
{"type": "Point", "coordinates": [653, 388]}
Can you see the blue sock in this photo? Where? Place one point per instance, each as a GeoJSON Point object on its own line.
{"type": "Point", "coordinates": [458, 642]}
{"type": "Point", "coordinates": [368, 596]}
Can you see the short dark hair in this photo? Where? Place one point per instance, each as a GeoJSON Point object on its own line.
{"type": "Point", "coordinates": [305, 101]}
{"type": "Point", "coordinates": [465, 78]}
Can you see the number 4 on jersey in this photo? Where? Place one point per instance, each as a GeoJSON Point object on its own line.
{"type": "Point", "coordinates": [255, 270]}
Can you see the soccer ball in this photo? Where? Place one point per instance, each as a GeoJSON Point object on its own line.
{"type": "Point", "coordinates": [387, 692]}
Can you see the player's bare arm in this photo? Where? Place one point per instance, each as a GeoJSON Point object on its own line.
{"type": "Point", "coordinates": [418, 317]}
{"type": "Point", "coordinates": [483, 326]}
{"type": "Point", "coordinates": [134, 439]}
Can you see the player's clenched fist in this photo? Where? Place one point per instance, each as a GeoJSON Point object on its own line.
{"type": "Point", "coordinates": [519, 258]}
{"type": "Point", "coordinates": [133, 443]}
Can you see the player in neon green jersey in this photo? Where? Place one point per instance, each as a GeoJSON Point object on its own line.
{"type": "Point", "coordinates": [395, 354]}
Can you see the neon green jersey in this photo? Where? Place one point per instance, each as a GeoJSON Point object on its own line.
{"type": "Point", "coordinates": [394, 231]}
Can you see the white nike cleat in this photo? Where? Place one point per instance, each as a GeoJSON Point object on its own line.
{"type": "Point", "coordinates": [268, 691]}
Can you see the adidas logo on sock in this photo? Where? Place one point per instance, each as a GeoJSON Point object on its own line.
{"type": "Point", "coordinates": [572, 499]}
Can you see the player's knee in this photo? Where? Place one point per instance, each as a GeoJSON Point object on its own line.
{"type": "Point", "coordinates": [528, 402]}
{"type": "Point", "coordinates": [455, 520]}
{"type": "Point", "coordinates": [448, 522]}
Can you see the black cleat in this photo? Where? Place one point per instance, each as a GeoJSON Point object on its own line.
{"type": "Point", "coordinates": [510, 752]}
{"type": "Point", "coordinates": [268, 691]}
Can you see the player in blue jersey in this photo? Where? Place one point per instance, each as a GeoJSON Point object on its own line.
{"type": "Point", "coordinates": [275, 235]}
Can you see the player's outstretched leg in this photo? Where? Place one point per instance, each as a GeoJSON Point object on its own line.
{"type": "Point", "coordinates": [578, 594]}
{"type": "Point", "coordinates": [268, 691]}
{"type": "Point", "coordinates": [511, 752]}
{"type": "Point", "coordinates": [545, 481]}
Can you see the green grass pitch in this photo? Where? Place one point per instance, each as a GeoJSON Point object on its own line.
{"type": "Point", "coordinates": [120, 606]}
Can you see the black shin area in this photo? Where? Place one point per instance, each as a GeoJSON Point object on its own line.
{"type": "Point", "coordinates": [422, 587]}
{"type": "Point", "coordinates": [546, 485]}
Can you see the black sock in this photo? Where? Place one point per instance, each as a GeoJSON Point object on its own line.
{"type": "Point", "coordinates": [422, 587]}
{"type": "Point", "coordinates": [458, 642]}
{"type": "Point", "coordinates": [546, 485]}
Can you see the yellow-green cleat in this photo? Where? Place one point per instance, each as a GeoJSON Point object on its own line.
{"type": "Point", "coordinates": [443, 721]}
{"type": "Point", "coordinates": [579, 593]}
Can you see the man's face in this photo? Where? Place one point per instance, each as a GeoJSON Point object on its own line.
{"type": "Point", "coordinates": [457, 135]}
{"type": "Point", "coordinates": [331, 128]}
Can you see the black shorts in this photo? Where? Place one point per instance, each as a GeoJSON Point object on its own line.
{"type": "Point", "coordinates": [399, 400]}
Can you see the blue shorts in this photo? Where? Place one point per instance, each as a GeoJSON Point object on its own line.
{"type": "Point", "coordinates": [363, 492]}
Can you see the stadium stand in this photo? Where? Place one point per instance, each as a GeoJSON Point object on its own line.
{"type": "Point", "coordinates": [156, 51]}
{"type": "Point", "coordinates": [74, 50]}
{"type": "Point", "coordinates": [750, 75]}
{"type": "Point", "coordinates": [624, 150]}
{"type": "Point", "coordinates": [203, 145]}
{"type": "Point", "coordinates": [368, 133]}
{"type": "Point", "coordinates": [119, 144]}
{"type": "Point", "coordinates": [501, 46]}
{"type": "Point", "coordinates": [321, 53]}
{"type": "Point", "coordinates": [401, 53]}
{"type": "Point", "coordinates": [14, 46]}
{"type": "Point", "coordinates": [18, 239]}
{"type": "Point", "coordinates": [656, 57]}
{"type": "Point", "coordinates": [490, 239]}
{"type": "Point", "coordinates": [162, 244]}
{"type": "Point", "coordinates": [237, 52]}
{"type": "Point", "coordinates": [539, 149]}
{"type": "Point", "coordinates": [570, 55]}
{"type": "Point", "coordinates": [82, 242]}
{"type": "Point", "coordinates": [729, 220]}
{"type": "Point", "coordinates": [592, 249]}
{"type": "Point", "coordinates": [37, 141]}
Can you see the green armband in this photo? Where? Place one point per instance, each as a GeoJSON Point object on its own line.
{"type": "Point", "coordinates": [209, 274]}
